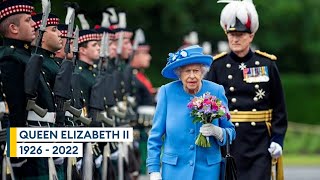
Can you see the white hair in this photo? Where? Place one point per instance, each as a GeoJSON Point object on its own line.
{"type": "Point", "coordinates": [241, 10]}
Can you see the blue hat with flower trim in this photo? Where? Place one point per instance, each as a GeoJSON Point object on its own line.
{"type": "Point", "coordinates": [189, 55]}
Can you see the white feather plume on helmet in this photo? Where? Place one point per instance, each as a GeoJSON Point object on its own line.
{"type": "Point", "coordinates": [243, 11]}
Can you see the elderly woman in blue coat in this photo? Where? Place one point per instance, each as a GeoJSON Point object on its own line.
{"type": "Point", "coordinates": [171, 144]}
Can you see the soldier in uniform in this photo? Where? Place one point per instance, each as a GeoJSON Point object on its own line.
{"type": "Point", "coordinates": [51, 42]}
{"type": "Point", "coordinates": [60, 54]}
{"type": "Point", "coordinates": [144, 94]}
{"type": "Point", "coordinates": [88, 54]}
{"type": "Point", "coordinates": [141, 61]}
{"type": "Point", "coordinates": [255, 95]}
{"type": "Point", "coordinates": [16, 28]}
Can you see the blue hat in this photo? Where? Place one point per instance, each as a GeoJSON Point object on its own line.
{"type": "Point", "coordinates": [189, 55]}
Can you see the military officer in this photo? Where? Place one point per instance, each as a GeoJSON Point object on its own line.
{"type": "Point", "coordinates": [254, 91]}
{"type": "Point", "coordinates": [16, 28]}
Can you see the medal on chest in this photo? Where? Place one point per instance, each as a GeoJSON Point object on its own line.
{"type": "Point", "coordinates": [255, 74]}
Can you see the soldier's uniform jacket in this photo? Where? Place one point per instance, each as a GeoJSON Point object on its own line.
{"type": "Point", "coordinates": [255, 96]}
{"type": "Point", "coordinates": [119, 80]}
{"type": "Point", "coordinates": [83, 79]}
{"type": "Point", "coordinates": [14, 54]}
{"type": "Point", "coordinates": [141, 92]}
{"type": "Point", "coordinates": [50, 67]}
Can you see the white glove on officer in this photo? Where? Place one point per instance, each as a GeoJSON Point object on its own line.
{"type": "Point", "coordinates": [275, 150]}
{"type": "Point", "coordinates": [98, 161]}
{"type": "Point", "coordinates": [212, 130]}
{"type": "Point", "coordinates": [155, 176]}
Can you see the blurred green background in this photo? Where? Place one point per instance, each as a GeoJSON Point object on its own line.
{"type": "Point", "coordinates": [288, 28]}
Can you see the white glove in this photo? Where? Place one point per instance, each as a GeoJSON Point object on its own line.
{"type": "Point", "coordinates": [275, 150]}
{"type": "Point", "coordinates": [98, 161]}
{"type": "Point", "coordinates": [58, 161]}
{"type": "Point", "coordinates": [212, 130]}
{"type": "Point", "coordinates": [79, 164]}
{"type": "Point", "coordinates": [155, 176]}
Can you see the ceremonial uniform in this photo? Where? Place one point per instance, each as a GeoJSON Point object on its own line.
{"type": "Point", "coordinates": [255, 95]}
{"type": "Point", "coordinates": [256, 102]}
{"type": "Point", "coordinates": [144, 90]}
{"type": "Point", "coordinates": [50, 67]}
{"type": "Point", "coordinates": [14, 54]}
{"type": "Point", "coordinates": [13, 57]}
{"type": "Point", "coordinates": [87, 75]}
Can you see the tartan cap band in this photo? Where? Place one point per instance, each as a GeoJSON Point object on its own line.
{"type": "Point", "coordinates": [88, 35]}
{"type": "Point", "coordinates": [15, 7]}
{"type": "Point", "coordinates": [50, 22]}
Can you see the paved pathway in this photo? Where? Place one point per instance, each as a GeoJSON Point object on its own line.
{"type": "Point", "coordinates": [290, 173]}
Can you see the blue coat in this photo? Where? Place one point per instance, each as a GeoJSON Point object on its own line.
{"type": "Point", "coordinates": [174, 131]}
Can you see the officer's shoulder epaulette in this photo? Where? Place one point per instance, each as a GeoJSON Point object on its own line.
{"type": "Point", "coordinates": [270, 56]}
{"type": "Point", "coordinates": [219, 56]}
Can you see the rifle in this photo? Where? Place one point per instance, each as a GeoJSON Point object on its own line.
{"type": "Point", "coordinates": [33, 68]}
{"type": "Point", "coordinates": [138, 38]}
{"type": "Point", "coordinates": [106, 156]}
{"type": "Point", "coordinates": [119, 48]}
{"type": "Point", "coordinates": [87, 161]}
{"type": "Point", "coordinates": [63, 78]}
{"type": "Point", "coordinates": [75, 45]}
{"type": "Point", "coordinates": [103, 50]}
{"type": "Point", "coordinates": [6, 166]}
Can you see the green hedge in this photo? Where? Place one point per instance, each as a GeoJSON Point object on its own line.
{"type": "Point", "coordinates": [302, 97]}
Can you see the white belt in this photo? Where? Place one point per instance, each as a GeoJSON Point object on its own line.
{"type": "Point", "coordinates": [50, 117]}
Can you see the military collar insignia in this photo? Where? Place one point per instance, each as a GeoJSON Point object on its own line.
{"type": "Point", "coordinates": [26, 46]}
{"type": "Point", "coordinates": [14, 43]}
{"type": "Point", "coordinates": [44, 52]}
{"type": "Point", "coordinates": [83, 65]}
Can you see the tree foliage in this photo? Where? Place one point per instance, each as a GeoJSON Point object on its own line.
{"type": "Point", "coordinates": [288, 28]}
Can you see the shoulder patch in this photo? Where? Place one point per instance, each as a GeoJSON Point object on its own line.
{"type": "Point", "coordinates": [218, 56]}
{"type": "Point", "coordinates": [270, 56]}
